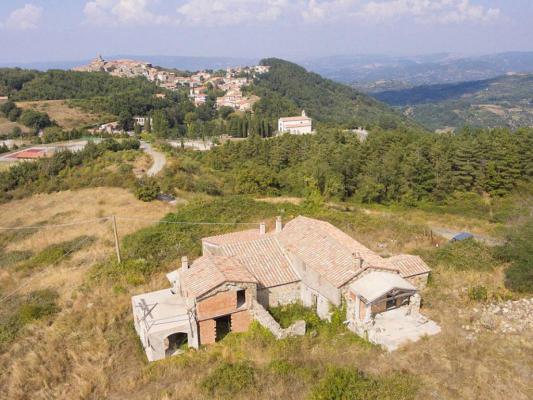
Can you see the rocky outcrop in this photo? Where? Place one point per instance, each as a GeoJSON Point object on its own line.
{"type": "Point", "coordinates": [505, 318]}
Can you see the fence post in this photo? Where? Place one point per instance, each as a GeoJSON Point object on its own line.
{"type": "Point", "coordinates": [117, 245]}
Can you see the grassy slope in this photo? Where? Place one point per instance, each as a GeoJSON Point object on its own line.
{"type": "Point", "coordinates": [66, 115]}
{"type": "Point", "coordinates": [6, 126]}
{"type": "Point", "coordinates": [89, 349]}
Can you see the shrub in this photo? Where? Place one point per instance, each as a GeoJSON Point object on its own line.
{"type": "Point", "coordinates": [478, 293]}
{"type": "Point", "coordinates": [463, 256]}
{"type": "Point", "coordinates": [55, 252]}
{"type": "Point", "coordinates": [229, 379]}
{"type": "Point", "coordinates": [132, 272]}
{"type": "Point", "coordinates": [147, 190]}
{"type": "Point", "coordinates": [519, 251]}
{"type": "Point", "coordinates": [349, 384]}
{"type": "Point", "coordinates": [35, 119]}
{"type": "Point", "coordinates": [288, 314]}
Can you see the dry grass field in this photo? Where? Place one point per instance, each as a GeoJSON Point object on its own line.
{"type": "Point", "coordinates": [6, 126]}
{"type": "Point", "coordinates": [89, 350]}
{"type": "Point", "coordinates": [66, 116]}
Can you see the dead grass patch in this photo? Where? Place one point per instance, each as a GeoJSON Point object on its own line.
{"type": "Point", "coordinates": [66, 115]}
{"type": "Point", "coordinates": [91, 350]}
{"type": "Point", "coordinates": [6, 126]}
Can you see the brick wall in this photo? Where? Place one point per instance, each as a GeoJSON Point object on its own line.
{"type": "Point", "coordinates": [240, 321]}
{"type": "Point", "coordinates": [207, 331]}
{"type": "Point", "coordinates": [222, 303]}
{"type": "Point", "coordinates": [279, 295]}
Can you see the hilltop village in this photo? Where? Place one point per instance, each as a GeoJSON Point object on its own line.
{"type": "Point", "coordinates": [230, 81]}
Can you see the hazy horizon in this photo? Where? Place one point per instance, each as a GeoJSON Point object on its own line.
{"type": "Point", "coordinates": [54, 30]}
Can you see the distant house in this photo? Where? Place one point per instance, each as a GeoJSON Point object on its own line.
{"type": "Point", "coordinates": [200, 99]}
{"type": "Point", "coordinates": [296, 125]}
{"type": "Point", "coordinates": [360, 132]}
{"type": "Point", "coordinates": [241, 274]}
{"type": "Point", "coordinates": [109, 128]}
{"type": "Point", "coordinates": [142, 121]}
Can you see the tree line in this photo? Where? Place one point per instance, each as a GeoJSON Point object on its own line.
{"type": "Point", "coordinates": [390, 166]}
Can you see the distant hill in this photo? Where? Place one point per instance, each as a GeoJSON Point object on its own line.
{"type": "Point", "coordinates": [375, 73]}
{"type": "Point", "coordinates": [503, 101]}
{"type": "Point", "coordinates": [178, 62]}
{"type": "Point", "coordinates": [288, 88]}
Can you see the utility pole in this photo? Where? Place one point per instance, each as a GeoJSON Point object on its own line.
{"type": "Point", "coordinates": [117, 245]}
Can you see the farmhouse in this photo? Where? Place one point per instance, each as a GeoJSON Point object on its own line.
{"type": "Point", "coordinates": [241, 274]}
{"type": "Point", "coordinates": [296, 125]}
{"type": "Point", "coordinates": [142, 121]}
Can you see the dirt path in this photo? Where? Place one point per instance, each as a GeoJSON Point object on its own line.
{"type": "Point", "coordinates": [159, 159]}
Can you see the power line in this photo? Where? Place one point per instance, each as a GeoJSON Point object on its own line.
{"type": "Point", "coordinates": [55, 226]}
{"type": "Point", "coordinates": [188, 222]}
{"type": "Point", "coordinates": [84, 222]}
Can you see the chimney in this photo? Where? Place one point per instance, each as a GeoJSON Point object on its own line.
{"type": "Point", "coordinates": [279, 224]}
{"type": "Point", "coordinates": [184, 262]}
{"type": "Point", "coordinates": [262, 228]}
{"type": "Point", "coordinates": [358, 260]}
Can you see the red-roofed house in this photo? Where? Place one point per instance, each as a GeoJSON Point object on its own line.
{"type": "Point", "coordinates": [241, 274]}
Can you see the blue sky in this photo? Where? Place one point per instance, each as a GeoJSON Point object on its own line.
{"type": "Point", "coordinates": [51, 30]}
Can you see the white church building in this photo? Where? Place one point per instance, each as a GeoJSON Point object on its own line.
{"type": "Point", "coordinates": [296, 125]}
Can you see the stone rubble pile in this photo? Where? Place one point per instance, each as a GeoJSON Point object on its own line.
{"type": "Point", "coordinates": [506, 317]}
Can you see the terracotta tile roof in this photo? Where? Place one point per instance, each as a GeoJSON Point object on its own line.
{"type": "Point", "coordinates": [300, 118]}
{"type": "Point", "coordinates": [327, 250]}
{"type": "Point", "coordinates": [208, 272]}
{"type": "Point", "coordinates": [233, 237]}
{"type": "Point", "coordinates": [408, 265]}
{"type": "Point", "coordinates": [30, 153]}
{"type": "Point", "coordinates": [265, 259]}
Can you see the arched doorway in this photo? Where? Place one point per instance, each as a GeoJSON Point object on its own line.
{"type": "Point", "coordinates": [174, 342]}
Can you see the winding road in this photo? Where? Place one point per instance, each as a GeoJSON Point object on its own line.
{"type": "Point", "coordinates": [159, 159]}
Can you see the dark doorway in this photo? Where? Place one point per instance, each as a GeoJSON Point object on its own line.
{"type": "Point", "coordinates": [223, 327]}
{"type": "Point", "coordinates": [391, 303]}
{"type": "Point", "coordinates": [174, 342]}
{"type": "Point", "coordinates": [241, 298]}
{"type": "Point", "coordinates": [314, 300]}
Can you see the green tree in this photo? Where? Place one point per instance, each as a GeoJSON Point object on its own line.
{"type": "Point", "coordinates": [160, 124]}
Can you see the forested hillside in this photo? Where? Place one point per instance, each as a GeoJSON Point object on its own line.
{"type": "Point", "coordinates": [503, 101]}
{"type": "Point", "coordinates": [288, 88]}
{"type": "Point", "coordinates": [390, 166]}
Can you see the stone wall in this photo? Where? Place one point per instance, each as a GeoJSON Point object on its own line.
{"type": "Point", "coordinates": [262, 316]}
{"type": "Point", "coordinates": [279, 295]}
{"type": "Point", "coordinates": [313, 280]}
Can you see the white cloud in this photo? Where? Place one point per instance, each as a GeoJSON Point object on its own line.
{"type": "Point", "coordinates": [230, 12]}
{"type": "Point", "coordinates": [235, 12]}
{"type": "Point", "coordinates": [444, 11]}
{"type": "Point", "coordinates": [428, 11]}
{"type": "Point", "coordinates": [25, 18]}
{"type": "Point", "coordinates": [134, 12]}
